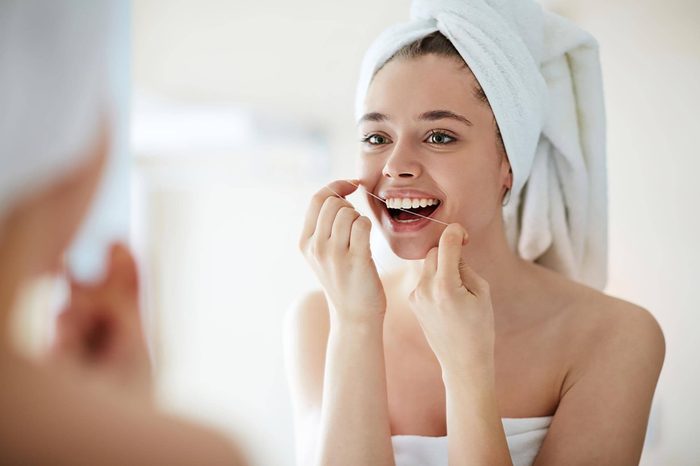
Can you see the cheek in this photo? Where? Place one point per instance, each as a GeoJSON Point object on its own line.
{"type": "Point", "coordinates": [471, 191]}
{"type": "Point", "coordinates": [370, 168]}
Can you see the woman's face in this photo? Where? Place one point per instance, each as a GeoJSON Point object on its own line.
{"type": "Point", "coordinates": [428, 139]}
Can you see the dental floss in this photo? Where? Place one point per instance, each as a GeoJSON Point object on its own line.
{"type": "Point", "coordinates": [384, 201]}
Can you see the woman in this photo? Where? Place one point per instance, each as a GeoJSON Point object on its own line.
{"type": "Point", "coordinates": [488, 347]}
{"type": "Point", "coordinates": [90, 403]}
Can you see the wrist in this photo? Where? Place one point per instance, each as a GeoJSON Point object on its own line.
{"type": "Point", "coordinates": [353, 317]}
{"type": "Point", "coordinates": [477, 372]}
{"type": "Point", "coordinates": [347, 322]}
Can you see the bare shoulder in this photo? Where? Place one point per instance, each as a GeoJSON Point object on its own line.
{"type": "Point", "coordinates": [308, 316]}
{"type": "Point", "coordinates": [609, 332]}
{"type": "Point", "coordinates": [613, 353]}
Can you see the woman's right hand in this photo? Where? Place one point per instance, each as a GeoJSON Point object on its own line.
{"type": "Point", "coordinates": [335, 242]}
{"type": "Point", "coordinates": [100, 332]}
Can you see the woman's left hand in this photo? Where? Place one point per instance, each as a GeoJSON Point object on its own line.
{"type": "Point", "coordinates": [453, 305]}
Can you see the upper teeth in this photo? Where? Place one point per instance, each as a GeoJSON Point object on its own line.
{"type": "Point", "coordinates": [408, 203]}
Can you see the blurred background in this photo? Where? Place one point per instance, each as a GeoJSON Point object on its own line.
{"type": "Point", "coordinates": [238, 113]}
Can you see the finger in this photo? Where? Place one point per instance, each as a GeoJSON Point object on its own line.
{"type": "Point", "coordinates": [338, 188]}
{"type": "Point", "coordinates": [359, 236]}
{"type": "Point", "coordinates": [326, 217]}
{"type": "Point", "coordinates": [342, 225]}
{"type": "Point", "coordinates": [122, 272]}
{"type": "Point", "coordinates": [67, 337]}
{"type": "Point", "coordinates": [474, 282]}
{"type": "Point", "coordinates": [450, 253]}
{"type": "Point", "coordinates": [430, 264]}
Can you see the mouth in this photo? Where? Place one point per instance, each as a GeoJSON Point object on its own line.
{"type": "Point", "coordinates": [406, 210]}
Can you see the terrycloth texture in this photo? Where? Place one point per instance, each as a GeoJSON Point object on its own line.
{"type": "Point", "coordinates": [542, 77]}
{"type": "Point", "coordinates": [52, 83]}
{"type": "Point", "coordinates": [524, 436]}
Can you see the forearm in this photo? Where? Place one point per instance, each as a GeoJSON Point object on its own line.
{"type": "Point", "coordinates": [474, 427]}
{"type": "Point", "coordinates": [354, 415]}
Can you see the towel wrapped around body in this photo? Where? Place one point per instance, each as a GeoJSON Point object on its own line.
{"type": "Point", "coordinates": [541, 75]}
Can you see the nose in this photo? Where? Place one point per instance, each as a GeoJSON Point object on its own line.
{"type": "Point", "coordinates": [402, 163]}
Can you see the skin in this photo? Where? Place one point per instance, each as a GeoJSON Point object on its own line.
{"type": "Point", "coordinates": [450, 344]}
{"type": "Point", "coordinates": [90, 400]}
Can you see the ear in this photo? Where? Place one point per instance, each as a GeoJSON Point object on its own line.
{"type": "Point", "coordinates": [506, 172]}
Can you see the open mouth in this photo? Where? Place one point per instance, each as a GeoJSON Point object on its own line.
{"type": "Point", "coordinates": [409, 210]}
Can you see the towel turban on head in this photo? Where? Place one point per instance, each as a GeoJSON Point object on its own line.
{"type": "Point", "coordinates": [541, 75]}
{"type": "Point", "coordinates": [52, 90]}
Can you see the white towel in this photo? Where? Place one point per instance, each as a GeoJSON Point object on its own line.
{"type": "Point", "coordinates": [542, 77]}
{"type": "Point", "coordinates": [52, 89]}
{"type": "Point", "coordinates": [524, 437]}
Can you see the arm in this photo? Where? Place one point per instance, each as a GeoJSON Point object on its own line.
{"type": "Point", "coordinates": [340, 399]}
{"type": "Point", "coordinates": [453, 305]}
{"type": "Point", "coordinates": [474, 427]}
{"type": "Point", "coordinates": [603, 413]}
{"type": "Point", "coordinates": [338, 386]}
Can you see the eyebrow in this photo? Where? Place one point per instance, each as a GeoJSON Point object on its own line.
{"type": "Point", "coordinates": [432, 115]}
{"type": "Point", "coordinates": [373, 116]}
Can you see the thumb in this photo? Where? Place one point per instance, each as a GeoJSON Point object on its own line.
{"type": "Point", "coordinates": [122, 273]}
{"type": "Point", "coordinates": [474, 282]}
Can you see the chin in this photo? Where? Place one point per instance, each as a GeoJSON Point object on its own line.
{"type": "Point", "coordinates": [411, 248]}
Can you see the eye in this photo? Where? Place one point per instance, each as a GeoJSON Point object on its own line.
{"type": "Point", "coordinates": [375, 139]}
{"type": "Point", "coordinates": [438, 137]}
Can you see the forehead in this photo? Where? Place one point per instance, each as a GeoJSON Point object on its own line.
{"type": "Point", "coordinates": [415, 85]}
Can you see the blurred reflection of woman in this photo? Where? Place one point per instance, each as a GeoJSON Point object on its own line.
{"type": "Point", "coordinates": [90, 402]}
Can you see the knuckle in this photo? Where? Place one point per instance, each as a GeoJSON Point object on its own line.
{"type": "Point", "coordinates": [317, 247]}
{"type": "Point", "coordinates": [422, 292]}
{"type": "Point", "coordinates": [362, 223]}
{"type": "Point", "coordinates": [319, 198]}
{"type": "Point", "coordinates": [330, 201]}
{"type": "Point", "coordinates": [347, 212]}
{"type": "Point", "coordinates": [442, 286]}
{"type": "Point", "coordinates": [302, 243]}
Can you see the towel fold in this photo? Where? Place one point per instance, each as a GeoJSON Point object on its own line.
{"type": "Point", "coordinates": [541, 75]}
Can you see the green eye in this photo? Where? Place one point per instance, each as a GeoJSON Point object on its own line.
{"type": "Point", "coordinates": [440, 138]}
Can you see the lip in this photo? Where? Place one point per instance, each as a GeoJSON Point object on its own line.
{"type": "Point", "coordinates": [399, 227]}
{"type": "Point", "coordinates": [406, 192]}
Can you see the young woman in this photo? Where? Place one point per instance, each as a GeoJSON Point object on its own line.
{"type": "Point", "coordinates": [90, 403]}
{"type": "Point", "coordinates": [468, 354]}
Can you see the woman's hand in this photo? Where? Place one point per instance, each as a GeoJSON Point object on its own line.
{"type": "Point", "coordinates": [335, 242]}
{"type": "Point", "coordinates": [99, 334]}
{"type": "Point", "coordinates": [453, 305]}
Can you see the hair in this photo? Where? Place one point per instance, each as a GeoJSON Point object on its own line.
{"type": "Point", "coordinates": [437, 44]}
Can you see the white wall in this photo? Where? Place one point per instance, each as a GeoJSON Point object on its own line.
{"type": "Point", "coordinates": [651, 60]}
{"type": "Point", "coordinates": [297, 62]}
